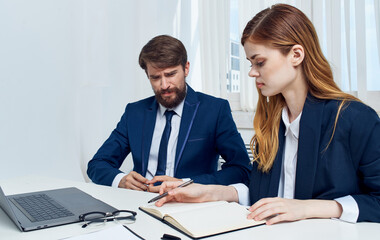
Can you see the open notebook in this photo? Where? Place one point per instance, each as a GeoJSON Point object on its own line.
{"type": "Point", "coordinates": [198, 220]}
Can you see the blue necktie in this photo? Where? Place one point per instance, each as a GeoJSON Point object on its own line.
{"type": "Point", "coordinates": [163, 150]}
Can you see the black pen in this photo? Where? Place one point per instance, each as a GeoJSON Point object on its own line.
{"type": "Point", "coordinates": [166, 193]}
{"type": "Point", "coordinates": [170, 237]}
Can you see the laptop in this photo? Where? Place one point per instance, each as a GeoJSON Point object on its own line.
{"type": "Point", "coordinates": [38, 210]}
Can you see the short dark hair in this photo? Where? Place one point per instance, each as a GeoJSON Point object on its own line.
{"type": "Point", "coordinates": [163, 51]}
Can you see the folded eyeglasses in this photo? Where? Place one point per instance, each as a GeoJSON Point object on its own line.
{"type": "Point", "coordinates": [100, 218]}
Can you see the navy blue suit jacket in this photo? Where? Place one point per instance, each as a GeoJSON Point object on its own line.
{"type": "Point", "coordinates": [349, 166]}
{"type": "Point", "coordinates": [207, 130]}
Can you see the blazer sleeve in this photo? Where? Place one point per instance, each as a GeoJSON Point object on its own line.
{"type": "Point", "coordinates": [231, 147]}
{"type": "Point", "coordinates": [365, 146]}
{"type": "Point", "coordinates": [105, 164]}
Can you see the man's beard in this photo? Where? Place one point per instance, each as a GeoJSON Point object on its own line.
{"type": "Point", "coordinates": [180, 94]}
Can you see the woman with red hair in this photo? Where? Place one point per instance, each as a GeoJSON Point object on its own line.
{"type": "Point", "coordinates": [316, 149]}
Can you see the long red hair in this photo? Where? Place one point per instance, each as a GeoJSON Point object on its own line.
{"type": "Point", "coordinates": [281, 27]}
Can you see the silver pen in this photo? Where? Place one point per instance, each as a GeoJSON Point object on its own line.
{"type": "Point", "coordinates": [166, 193]}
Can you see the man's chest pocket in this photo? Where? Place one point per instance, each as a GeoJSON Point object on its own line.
{"type": "Point", "coordinates": [199, 138]}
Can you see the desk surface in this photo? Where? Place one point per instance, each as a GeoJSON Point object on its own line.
{"type": "Point", "coordinates": [151, 229]}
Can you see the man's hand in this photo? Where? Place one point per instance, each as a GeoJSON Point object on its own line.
{"type": "Point", "coordinates": [158, 179]}
{"type": "Point", "coordinates": [134, 181]}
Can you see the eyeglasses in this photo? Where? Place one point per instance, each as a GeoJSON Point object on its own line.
{"type": "Point", "coordinates": [100, 218]}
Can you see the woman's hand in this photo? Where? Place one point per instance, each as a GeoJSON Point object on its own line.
{"type": "Point", "coordinates": [283, 210]}
{"type": "Point", "coordinates": [159, 179]}
{"type": "Point", "coordinates": [191, 193]}
{"type": "Point", "coordinates": [195, 193]}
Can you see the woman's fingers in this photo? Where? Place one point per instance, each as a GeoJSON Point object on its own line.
{"type": "Point", "coordinates": [278, 210]}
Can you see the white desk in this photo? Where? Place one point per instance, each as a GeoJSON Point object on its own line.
{"type": "Point", "coordinates": [151, 229]}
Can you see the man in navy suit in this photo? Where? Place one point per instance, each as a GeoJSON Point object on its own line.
{"type": "Point", "coordinates": [176, 134]}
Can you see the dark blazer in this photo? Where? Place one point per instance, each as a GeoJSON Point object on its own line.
{"type": "Point", "coordinates": [349, 166]}
{"type": "Point", "coordinates": [207, 130]}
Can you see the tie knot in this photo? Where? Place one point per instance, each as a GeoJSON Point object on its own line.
{"type": "Point", "coordinates": [169, 114]}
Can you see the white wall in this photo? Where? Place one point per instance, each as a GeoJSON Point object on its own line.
{"type": "Point", "coordinates": [67, 70]}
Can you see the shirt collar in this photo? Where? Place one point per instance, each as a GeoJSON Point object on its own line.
{"type": "Point", "coordinates": [293, 127]}
{"type": "Point", "coordinates": [178, 110]}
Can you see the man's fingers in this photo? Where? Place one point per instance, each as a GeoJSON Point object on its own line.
{"type": "Point", "coordinates": [157, 179]}
{"type": "Point", "coordinates": [135, 181]}
{"type": "Point", "coordinates": [162, 178]}
{"type": "Point", "coordinates": [139, 178]}
{"type": "Point", "coordinates": [135, 185]}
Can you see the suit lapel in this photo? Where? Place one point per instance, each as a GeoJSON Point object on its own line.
{"type": "Point", "coordinates": [148, 129]}
{"type": "Point", "coordinates": [277, 164]}
{"type": "Point", "coordinates": [266, 184]}
{"type": "Point", "coordinates": [189, 112]}
{"type": "Point", "coordinates": [308, 147]}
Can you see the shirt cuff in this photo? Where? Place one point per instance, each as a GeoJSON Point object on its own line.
{"type": "Point", "coordinates": [117, 179]}
{"type": "Point", "coordinates": [243, 193]}
{"type": "Point", "coordinates": [350, 208]}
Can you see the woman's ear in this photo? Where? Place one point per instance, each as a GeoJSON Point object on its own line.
{"type": "Point", "coordinates": [297, 55]}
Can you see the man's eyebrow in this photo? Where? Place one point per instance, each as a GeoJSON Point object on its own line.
{"type": "Point", "coordinates": [172, 72]}
{"type": "Point", "coordinates": [153, 76]}
{"type": "Point", "coordinates": [168, 73]}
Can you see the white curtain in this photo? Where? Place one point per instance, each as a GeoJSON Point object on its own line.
{"type": "Point", "coordinates": [248, 92]}
{"type": "Point", "coordinates": [377, 22]}
{"type": "Point", "coordinates": [248, 9]}
{"type": "Point", "coordinates": [214, 45]}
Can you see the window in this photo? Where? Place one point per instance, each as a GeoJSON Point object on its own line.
{"type": "Point", "coordinates": [372, 47]}
{"type": "Point", "coordinates": [349, 81]}
{"type": "Point", "coordinates": [233, 78]}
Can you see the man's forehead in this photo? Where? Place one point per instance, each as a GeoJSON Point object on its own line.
{"type": "Point", "coordinates": [155, 69]}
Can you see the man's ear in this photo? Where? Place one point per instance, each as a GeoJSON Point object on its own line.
{"type": "Point", "coordinates": [187, 68]}
{"type": "Point", "coordinates": [297, 55]}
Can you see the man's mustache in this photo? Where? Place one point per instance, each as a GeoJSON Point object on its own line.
{"type": "Point", "coordinates": [167, 90]}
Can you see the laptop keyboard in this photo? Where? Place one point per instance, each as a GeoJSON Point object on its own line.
{"type": "Point", "coordinates": [40, 207]}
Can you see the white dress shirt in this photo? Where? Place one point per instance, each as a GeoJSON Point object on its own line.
{"type": "Point", "coordinates": [288, 173]}
{"type": "Point", "coordinates": [172, 144]}
{"type": "Point", "coordinates": [289, 158]}
{"type": "Point", "coordinates": [157, 134]}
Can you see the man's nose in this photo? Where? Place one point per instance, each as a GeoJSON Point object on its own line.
{"type": "Point", "coordinates": [165, 83]}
